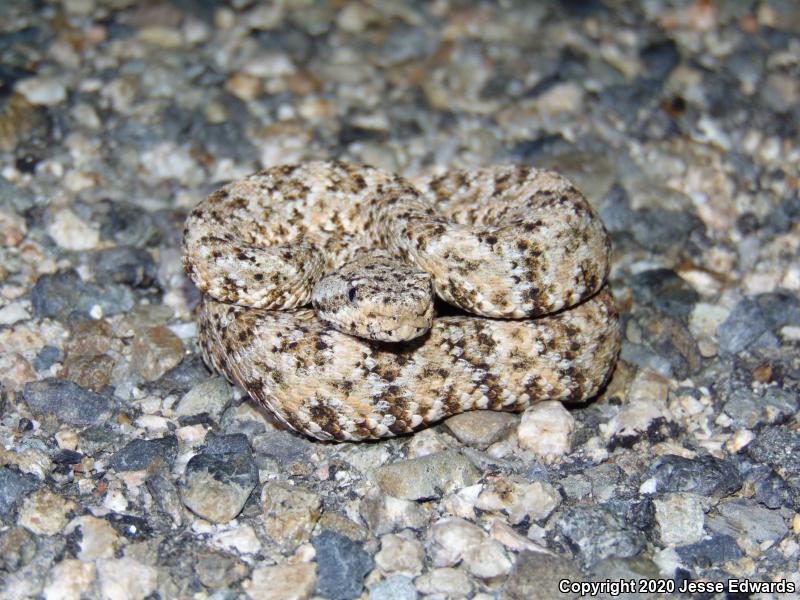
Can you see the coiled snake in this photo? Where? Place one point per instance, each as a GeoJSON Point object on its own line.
{"type": "Point", "coordinates": [518, 251]}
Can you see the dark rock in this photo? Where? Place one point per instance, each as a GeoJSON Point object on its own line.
{"type": "Point", "coordinates": [770, 489]}
{"type": "Point", "coordinates": [216, 486]}
{"type": "Point", "coordinates": [660, 230]}
{"type": "Point", "coordinates": [779, 309]}
{"type": "Point", "coordinates": [67, 401]}
{"type": "Point", "coordinates": [615, 210]}
{"type": "Point", "coordinates": [743, 517]}
{"type": "Point", "coordinates": [58, 295]}
{"type": "Point", "coordinates": [749, 410]}
{"type": "Point", "coordinates": [779, 447]}
{"type": "Point", "coordinates": [179, 380]}
{"type": "Point", "coordinates": [742, 328]}
{"type": "Point", "coordinates": [126, 224]}
{"type": "Point", "coordinates": [13, 487]}
{"type": "Point", "coordinates": [784, 216]}
{"type": "Point", "coordinates": [141, 454]}
{"type": "Point", "coordinates": [283, 446]}
{"type": "Point", "coordinates": [535, 576]}
{"type": "Point", "coordinates": [124, 264]}
{"type": "Point", "coordinates": [665, 290]}
{"type": "Point", "coordinates": [704, 475]}
{"type": "Point", "coordinates": [342, 565]}
{"type": "Point", "coordinates": [67, 457]}
{"type": "Point", "coordinates": [660, 58]}
{"type": "Point", "coordinates": [47, 357]}
{"type": "Point", "coordinates": [717, 550]}
{"type": "Point", "coordinates": [596, 533]}
{"type": "Point", "coordinates": [236, 443]}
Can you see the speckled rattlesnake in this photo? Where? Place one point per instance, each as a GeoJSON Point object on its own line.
{"type": "Point", "coordinates": [504, 242]}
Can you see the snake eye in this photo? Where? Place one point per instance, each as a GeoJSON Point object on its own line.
{"type": "Point", "coordinates": [351, 294]}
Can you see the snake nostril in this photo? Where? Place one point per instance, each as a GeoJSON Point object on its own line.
{"type": "Point", "coordinates": [351, 294]}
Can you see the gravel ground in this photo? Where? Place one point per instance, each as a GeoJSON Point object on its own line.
{"type": "Point", "coordinates": [128, 471]}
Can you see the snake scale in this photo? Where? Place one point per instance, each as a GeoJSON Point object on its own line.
{"type": "Point", "coordinates": [517, 251]}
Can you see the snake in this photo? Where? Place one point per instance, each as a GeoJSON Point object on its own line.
{"type": "Point", "coordinates": [355, 304]}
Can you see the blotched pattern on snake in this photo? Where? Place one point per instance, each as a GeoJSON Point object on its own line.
{"type": "Point", "coordinates": [517, 251]}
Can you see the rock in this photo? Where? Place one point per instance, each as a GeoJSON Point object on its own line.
{"type": "Point", "coordinates": [680, 519]}
{"type": "Point", "coordinates": [342, 565]}
{"type": "Point", "coordinates": [166, 496]}
{"type": "Point", "coordinates": [713, 551]}
{"type": "Point", "coordinates": [480, 428]}
{"type": "Point", "coordinates": [15, 372]}
{"type": "Point", "coordinates": [665, 290]}
{"type": "Point", "coordinates": [217, 570]}
{"type": "Point", "coordinates": [67, 402]}
{"type": "Point", "coordinates": [430, 476]}
{"type": "Point", "coordinates": [742, 517]}
{"type": "Point", "coordinates": [534, 501]}
{"type": "Point", "coordinates": [770, 489]}
{"type": "Point", "coordinates": [487, 560]}
{"type": "Point", "coordinates": [58, 295]}
{"type": "Point", "coordinates": [44, 513]}
{"type": "Point", "coordinates": [661, 230]}
{"type": "Point", "coordinates": [283, 582]}
{"type": "Point", "coordinates": [43, 90]}
{"type": "Point", "coordinates": [397, 587]}
{"type": "Point", "coordinates": [211, 397]}
{"type": "Point", "coordinates": [290, 512]}
{"type": "Point", "coordinates": [47, 357]}
{"type": "Point", "coordinates": [536, 576]}
{"type": "Point", "coordinates": [399, 555]}
{"type": "Point", "coordinates": [451, 537]}
{"type": "Point", "coordinates": [703, 476]}
{"type": "Point", "coordinates": [12, 228]}
{"type": "Point", "coordinates": [646, 403]}
{"type": "Point", "coordinates": [385, 514]}
{"type": "Point", "coordinates": [13, 487]}
{"type": "Point", "coordinates": [597, 533]}
{"type": "Point", "coordinates": [144, 454]}
{"type": "Point", "coordinates": [216, 486]}
{"type": "Point", "coordinates": [447, 581]}
{"type": "Point", "coordinates": [17, 547]}
{"type": "Point", "coordinates": [749, 411]}
{"type": "Point", "coordinates": [126, 578]}
{"type": "Point", "coordinates": [124, 264]}
{"type": "Point", "coordinates": [69, 579]}
{"type": "Point", "coordinates": [97, 538]}
{"type": "Point", "coordinates": [546, 429]}
{"type": "Point", "coordinates": [91, 371]}
{"type": "Point", "coordinates": [283, 446]}
{"type": "Point", "coordinates": [779, 309]}
{"type": "Point", "coordinates": [742, 328]}
{"type": "Point", "coordinates": [155, 351]}
{"type": "Point", "coordinates": [234, 443]}
{"type": "Point", "coordinates": [629, 569]}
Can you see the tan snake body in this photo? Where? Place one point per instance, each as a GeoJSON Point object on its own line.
{"type": "Point", "coordinates": [504, 243]}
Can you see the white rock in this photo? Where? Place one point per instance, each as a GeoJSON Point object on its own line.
{"type": "Point", "coordinates": [126, 579]}
{"type": "Point", "coordinates": [98, 539]}
{"type": "Point", "coordinates": [241, 539]}
{"type": "Point", "coordinates": [646, 401]}
{"type": "Point", "coordinates": [534, 500]}
{"type": "Point", "coordinates": [13, 313]}
{"type": "Point", "coordinates": [70, 232]}
{"type": "Point", "coordinates": [449, 581]}
{"type": "Point", "coordinates": [69, 580]}
{"type": "Point", "coordinates": [283, 582]}
{"type": "Point", "coordinates": [546, 430]}
{"type": "Point", "coordinates": [43, 90]}
{"type": "Point", "coordinates": [452, 537]}
{"type": "Point", "coordinates": [487, 560]}
{"type": "Point", "coordinates": [680, 518]}
{"type": "Point", "coordinates": [399, 555]}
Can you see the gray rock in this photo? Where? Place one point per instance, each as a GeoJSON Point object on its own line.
{"type": "Point", "coordinates": [743, 517]}
{"type": "Point", "coordinates": [126, 223]}
{"type": "Point", "coordinates": [536, 576]}
{"type": "Point", "coordinates": [47, 357]}
{"type": "Point", "coordinates": [665, 290]}
{"type": "Point", "coordinates": [216, 486]}
{"type": "Point", "coordinates": [430, 476]}
{"type": "Point", "coordinates": [770, 489]}
{"type": "Point", "coordinates": [13, 487]}
{"type": "Point", "coordinates": [617, 569]}
{"type": "Point", "coordinates": [141, 454]}
{"type": "Point", "coordinates": [748, 410]}
{"type": "Point", "coordinates": [704, 475]}
{"type": "Point", "coordinates": [210, 397]}
{"type": "Point", "coordinates": [779, 309]}
{"type": "Point", "coordinates": [778, 447]}
{"type": "Point", "coordinates": [481, 428]}
{"type": "Point", "coordinates": [67, 401]}
{"type": "Point", "coordinates": [17, 548]}
{"type": "Point", "coordinates": [660, 230]}
{"type": "Point", "coordinates": [283, 446]}
{"type": "Point", "coordinates": [597, 533]}
{"type": "Point", "coordinates": [11, 195]}
{"type": "Point", "coordinates": [235, 443]}
{"type": "Point", "coordinates": [742, 328]}
{"type": "Point", "coordinates": [219, 570]}
{"type": "Point", "coordinates": [124, 264]}
{"type": "Point", "coordinates": [385, 514]}
{"type": "Point", "coordinates": [396, 587]}
{"type": "Point", "coordinates": [58, 295]}
{"type": "Point", "coordinates": [342, 565]}
{"type": "Point", "coordinates": [713, 551]}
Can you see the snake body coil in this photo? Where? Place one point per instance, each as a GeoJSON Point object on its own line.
{"type": "Point", "coordinates": [500, 243]}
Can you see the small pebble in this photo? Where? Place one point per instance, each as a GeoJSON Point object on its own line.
{"type": "Point", "coordinates": [216, 487]}
{"type": "Point", "coordinates": [290, 512]}
{"type": "Point", "coordinates": [480, 428]}
{"type": "Point", "coordinates": [342, 565]}
{"type": "Point", "coordinates": [428, 477]}
{"type": "Point", "coordinates": [546, 429]}
{"type": "Point", "coordinates": [283, 582]}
